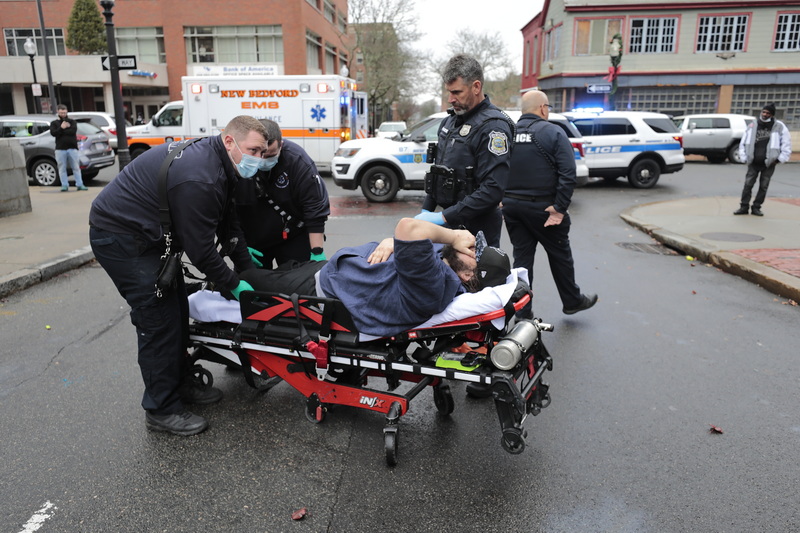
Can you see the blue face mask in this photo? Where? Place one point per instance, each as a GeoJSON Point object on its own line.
{"type": "Point", "coordinates": [268, 163]}
{"type": "Point", "coordinates": [249, 164]}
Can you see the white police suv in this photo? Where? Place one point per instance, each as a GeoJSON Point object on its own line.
{"type": "Point", "coordinates": [636, 144]}
{"type": "Point", "coordinates": [381, 167]}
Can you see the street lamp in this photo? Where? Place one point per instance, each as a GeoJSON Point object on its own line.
{"type": "Point", "coordinates": [116, 89]}
{"type": "Point", "coordinates": [30, 49]}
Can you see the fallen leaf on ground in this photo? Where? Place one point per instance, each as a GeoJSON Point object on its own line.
{"type": "Point", "coordinates": [694, 292]}
{"type": "Point", "coordinates": [715, 429]}
{"type": "Point", "coordinates": [301, 513]}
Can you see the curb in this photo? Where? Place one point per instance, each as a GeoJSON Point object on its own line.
{"type": "Point", "coordinates": [764, 276]}
{"type": "Point", "coordinates": [24, 278]}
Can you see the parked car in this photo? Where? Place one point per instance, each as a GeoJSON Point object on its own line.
{"type": "Point", "coordinates": [381, 167]}
{"type": "Point", "coordinates": [390, 130]}
{"type": "Point", "coordinates": [713, 135]}
{"type": "Point", "coordinates": [33, 132]}
{"type": "Point", "coordinates": [636, 144]}
{"type": "Point", "coordinates": [104, 121]}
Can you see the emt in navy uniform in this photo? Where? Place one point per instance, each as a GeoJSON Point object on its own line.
{"type": "Point", "coordinates": [473, 156]}
{"type": "Point", "coordinates": [537, 197]}
{"type": "Point", "coordinates": [128, 241]}
{"type": "Point", "coordinates": [283, 209]}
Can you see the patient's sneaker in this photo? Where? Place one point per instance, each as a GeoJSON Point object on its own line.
{"type": "Point", "coordinates": [190, 392]}
{"type": "Point", "coordinates": [184, 423]}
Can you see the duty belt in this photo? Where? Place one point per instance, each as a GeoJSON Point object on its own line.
{"type": "Point", "coordinates": [549, 199]}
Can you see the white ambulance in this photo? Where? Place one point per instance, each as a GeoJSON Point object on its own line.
{"type": "Point", "coordinates": [317, 112]}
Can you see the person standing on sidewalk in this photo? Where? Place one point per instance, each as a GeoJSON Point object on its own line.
{"type": "Point", "coordinates": [538, 194]}
{"type": "Point", "coordinates": [765, 143]}
{"type": "Point", "coordinates": [127, 238]}
{"type": "Point", "coordinates": [65, 130]}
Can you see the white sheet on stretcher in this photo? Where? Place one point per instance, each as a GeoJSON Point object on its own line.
{"type": "Point", "coordinates": [208, 306]}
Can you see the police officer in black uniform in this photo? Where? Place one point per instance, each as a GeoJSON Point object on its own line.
{"type": "Point", "coordinates": [472, 156]}
{"type": "Point", "coordinates": [283, 210]}
{"type": "Point", "coordinates": [537, 197]}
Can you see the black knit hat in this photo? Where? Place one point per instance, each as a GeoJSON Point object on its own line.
{"type": "Point", "coordinates": [770, 108]}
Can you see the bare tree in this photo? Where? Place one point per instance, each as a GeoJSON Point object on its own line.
{"type": "Point", "coordinates": [380, 33]}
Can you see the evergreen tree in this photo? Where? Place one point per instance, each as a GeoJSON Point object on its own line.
{"type": "Point", "coordinates": [86, 30]}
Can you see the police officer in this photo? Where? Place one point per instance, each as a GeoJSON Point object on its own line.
{"type": "Point", "coordinates": [283, 210]}
{"type": "Point", "coordinates": [128, 240]}
{"type": "Point", "coordinates": [472, 157]}
{"type": "Point", "coordinates": [537, 197]}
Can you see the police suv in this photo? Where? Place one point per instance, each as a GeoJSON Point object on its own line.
{"type": "Point", "coordinates": [636, 144]}
{"type": "Point", "coordinates": [381, 167]}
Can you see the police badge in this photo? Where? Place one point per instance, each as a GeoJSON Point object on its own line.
{"type": "Point", "coordinates": [465, 130]}
{"type": "Point", "coordinates": [498, 143]}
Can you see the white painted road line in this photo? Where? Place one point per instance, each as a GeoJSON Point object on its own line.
{"type": "Point", "coordinates": [38, 518]}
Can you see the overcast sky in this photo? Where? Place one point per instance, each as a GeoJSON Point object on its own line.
{"type": "Point", "coordinates": [438, 22]}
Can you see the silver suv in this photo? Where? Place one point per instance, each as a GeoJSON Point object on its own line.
{"type": "Point", "coordinates": [715, 135]}
{"type": "Point", "coordinates": [33, 133]}
{"type": "Point", "coordinates": [104, 121]}
{"type": "Point", "coordinates": [636, 144]}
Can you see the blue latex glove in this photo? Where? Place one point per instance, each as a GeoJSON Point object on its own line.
{"type": "Point", "coordinates": [318, 257]}
{"type": "Point", "coordinates": [253, 255]}
{"type": "Point", "coordinates": [243, 286]}
{"type": "Point", "coordinates": [427, 216]}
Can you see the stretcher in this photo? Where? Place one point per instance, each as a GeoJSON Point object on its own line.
{"type": "Point", "coordinates": [312, 344]}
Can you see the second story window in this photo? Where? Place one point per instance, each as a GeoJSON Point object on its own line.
{"type": "Point", "coordinates": [724, 33]}
{"type": "Point", "coordinates": [16, 37]}
{"type": "Point", "coordinates": [787, 33]}
{"type": "Point", "coordinates": [592, 36]}
{"type": "Point", "coordinates": [653, 35]}
{"type": "Point", "coordinates": [147, 44]}
{"type": "Point", "coordinates": [234, 44]}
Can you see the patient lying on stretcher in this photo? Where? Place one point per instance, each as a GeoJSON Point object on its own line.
{"type": "Point", "coordinates": [398, 284]}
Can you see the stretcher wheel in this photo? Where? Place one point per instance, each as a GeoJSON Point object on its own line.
{"type": "Point", "coordinates": [513, 440]}
{"type": "Point", "coordinates": [443, 399]}
{"type": "Point", "coordinates": [315, 410]}
{"type": "Point", "coordinates": [390, 445]}
{"type": "Point", "coordinates": [201, 377]}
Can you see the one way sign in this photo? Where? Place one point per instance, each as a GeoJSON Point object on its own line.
{"type": "Point", "coordinates": [123, 63]}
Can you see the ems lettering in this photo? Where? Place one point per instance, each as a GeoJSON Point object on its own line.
{"type": "Point", "coordinates": [372, 402]}
{"type": "Point", "coordinates": [260, 105]}
{"type": "Point", "coordinates": [231, 94]}
{"type": "Point", "coordinates": [523, 138]}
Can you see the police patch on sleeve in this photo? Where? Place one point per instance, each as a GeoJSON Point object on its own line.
{"type": "Point", "coordinates": [498, 143]}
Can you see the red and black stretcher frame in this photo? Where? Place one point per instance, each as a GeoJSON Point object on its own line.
{"type": "Point", "coordinates": [312, 344]}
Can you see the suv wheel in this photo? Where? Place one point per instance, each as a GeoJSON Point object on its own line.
{"type": "Point", "coordinates": [380, 184]}
{"type": "Point", "coordinates": [733, 153]}
{"type": "Point", "coordinates": [644, 174]}
{"type": "Point", "coordinates": [45, 172]}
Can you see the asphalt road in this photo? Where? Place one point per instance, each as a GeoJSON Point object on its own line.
{"type": "Point", "coordinates": [671, 348]}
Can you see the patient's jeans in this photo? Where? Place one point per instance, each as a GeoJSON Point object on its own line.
{"type": "Point", "coordinates": [162, 324]}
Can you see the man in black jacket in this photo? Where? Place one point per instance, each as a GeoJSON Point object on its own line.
{"type": "Point", "coordinates": [538, 194]}
{"type": "Point", "coordinates": [128, 241]}
{"type": "Point", "coordinates": [283, 209]}
{"type": "Point", "coordinates": [473, 154]}
{"type": "Point", "coordinates": [65, 130]}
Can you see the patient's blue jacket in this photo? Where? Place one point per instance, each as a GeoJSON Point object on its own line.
{"type": "Point", "coordinates": [391, 297]}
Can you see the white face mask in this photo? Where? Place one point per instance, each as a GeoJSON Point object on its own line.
{"type": "Point", "coordinates": [267, 163]}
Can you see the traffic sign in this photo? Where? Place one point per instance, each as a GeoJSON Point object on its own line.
{"type": "Point", "coordinates": [594, 88]}
{"type": "Point", "coordinates": [123, 63]}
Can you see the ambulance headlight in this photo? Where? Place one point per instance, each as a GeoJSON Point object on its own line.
{"type": "Point", "coordinates": [346, 152]}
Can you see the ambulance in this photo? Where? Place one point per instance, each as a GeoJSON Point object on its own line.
{"type": "Point", "coordinates": [317, 112]}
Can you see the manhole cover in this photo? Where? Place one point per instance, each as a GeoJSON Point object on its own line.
{"type": "Point", "coordinates": [647, 248]}
{"type": "Point", "coordinates": [732, 237]}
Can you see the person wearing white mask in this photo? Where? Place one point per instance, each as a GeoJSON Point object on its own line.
{"type": "Point", "coordinates": [765, 143]}
{"type": "Point", "coordinates": [284, 208]}
{"type": "Point", "coordinates": [128, 240]}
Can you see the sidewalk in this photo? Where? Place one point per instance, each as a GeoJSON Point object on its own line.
{"type": "Point", "coordinates": [53, 238]}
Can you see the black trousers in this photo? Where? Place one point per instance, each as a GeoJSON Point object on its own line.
{"type": "Point", "coordinates": [490, 223]}
{"type": "Point", "coordinates": [295, 248]}
{"type": "Point", "coordinates": [750, 178]}
{"type": "Point", "coordinates": [162, 324]}
{"type": "Point", "coordinates": [525, 224]}
{"type": "Point", "coordinates": [291, 277]}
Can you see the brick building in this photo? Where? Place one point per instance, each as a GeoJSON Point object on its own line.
{"type": "Point", "coordinates": [170, 40]}
{"type": "Point", "coordinates": [679, 56]}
